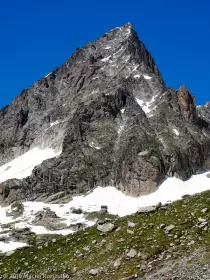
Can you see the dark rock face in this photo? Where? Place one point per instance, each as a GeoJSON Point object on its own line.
{"type": "Point", "coordinates": [110, 112]}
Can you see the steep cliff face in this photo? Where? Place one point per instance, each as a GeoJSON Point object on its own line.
{"type": "Point", "coordinates": [109, 112]}
{"type": "Point", "coordinates": [204, 112]}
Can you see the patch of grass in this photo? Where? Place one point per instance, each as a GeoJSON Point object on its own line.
{"type": "Point", "coordinates": [67, 254]}
{"type": "Point", "coordinates": [99, 216]}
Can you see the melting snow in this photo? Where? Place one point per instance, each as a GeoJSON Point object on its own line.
{"type": "Point", "coordinates": [107, 48]}
{"type": "Point", "coordinates": [170, 190]}
{"type": "Point", "coordinates": [22, 166]}
{"type": "Point", "coordinates": [136, 76]}
{"type": "Point", "coordinates": [64, 212]}
{"type": "Point", "coordinates": [122, 110]}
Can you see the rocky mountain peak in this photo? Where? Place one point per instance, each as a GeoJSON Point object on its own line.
{"type": "Point", "coordinates": [111, 121]}
{"type": "Point", "coordinates": [118, 53]}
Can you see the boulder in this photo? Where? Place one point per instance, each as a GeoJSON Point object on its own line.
{"type": "Point", "coordinates": [132, 253]}
{"type": "Point", "coordinates": [106, 227]}
{"type": "Point", "coordinates": [147, 209]}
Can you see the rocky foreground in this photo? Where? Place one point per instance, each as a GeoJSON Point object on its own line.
{"type": "Point", "coordinates": [157, 243]}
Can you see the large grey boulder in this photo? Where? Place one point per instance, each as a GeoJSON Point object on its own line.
{"type": "Point", "coordinates": [106, 227]}
{"type": "Point", "coordinates": [147, 209]}
{"type": "Point", "coordinates": [94, 272]}
{"type": "Point", "coordinates": [132, 253]}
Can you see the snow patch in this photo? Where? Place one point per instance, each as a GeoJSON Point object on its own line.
{"type": "Point", "coordinates": [54, 123]}
{"type": "Point", "coordinates": [120, 129]}
{"type": "Point", "coordinates": [94, 78]}
{"type": "Point", "coordinates": [93, 145]}
{"type": "Point", "coordinates": [106, 58]}
{"type": "Point", "coordinates": [11, 246]}
{"type": "Point", "coordinates": [120, 50]}
{"type": "Point", "coordinates": [144, 105]}
{"type": "Point", "coordinates": [176, 131]}
{"type": "Point", "coordinates": [48, 74]}
{"type": "Point", "coordinates": [31, 208]}
{"type": "Point", "coordinates": [147, 77]}
{"type": "Point", "coordinates": [127, 58]}
{"type": "Point", "coordinates": [122, 110]}
{"type": "Point", "coordinates": [135, 67]}
{"type": "Point", "coordinates": [170, 190]}
{"type": "Point", "coordinates": [22, 166]}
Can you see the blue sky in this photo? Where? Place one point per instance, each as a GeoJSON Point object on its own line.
{"type": "Point", "coordinates": [37, 36]}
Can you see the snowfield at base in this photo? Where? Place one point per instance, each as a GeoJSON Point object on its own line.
{"type": "Point", "coordinates": [118, 203]}
{"type": "Point", "coordinates": [22, 166]}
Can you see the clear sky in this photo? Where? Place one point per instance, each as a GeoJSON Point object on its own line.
{"type": "Point", "coordinates": [37, 36]}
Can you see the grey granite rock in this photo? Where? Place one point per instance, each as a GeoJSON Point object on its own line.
{"type": "Point", "coordinates": [147, 209]}
{"type": "Point", "coordinates": [106, 227]}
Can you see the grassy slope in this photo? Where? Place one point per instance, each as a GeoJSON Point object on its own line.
{"type": "Point", "coordinates": [147, 238]}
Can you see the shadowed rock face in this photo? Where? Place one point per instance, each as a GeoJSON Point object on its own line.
{"type": "Point", "coordinates": [110, 112]}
